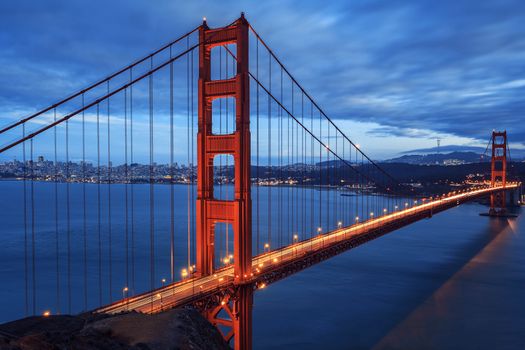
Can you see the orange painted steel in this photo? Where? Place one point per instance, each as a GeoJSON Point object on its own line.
{"type": "Point", "coordinates": [237, 212]}
{"type": "Point", "coordinates": [211, 211]}
{"type": "Point", "coordinates": [498, 172]}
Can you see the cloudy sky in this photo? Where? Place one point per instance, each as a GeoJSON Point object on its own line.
{"type": "Point", "coordinates": [396, 75]}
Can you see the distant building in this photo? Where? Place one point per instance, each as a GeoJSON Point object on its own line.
{"type": "Point", "coordinates": [453, 162]}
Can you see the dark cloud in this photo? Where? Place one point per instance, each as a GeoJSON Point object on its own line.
{"type": "Point", "coordinates": [447, 67]}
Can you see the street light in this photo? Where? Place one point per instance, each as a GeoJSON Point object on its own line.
{"type": "Point", "coordinates": [319, 230]}
{"type": "Point", "coordinates": [184, 273]}
{"type": "Point", "coordinates": [160, 297]}
{"type": "Point", "coordinates": [163, 281]}
{"type": "Point", "coordinates": [340, 224]}
{"type": "Point", "coordinates": [266, 247]}
{"type": "Point", "coordinates": [295, 238]}
{"type": "Point", "coordinates": [356, 219]}
{"type": "Point", "coordinates": [384, 211]}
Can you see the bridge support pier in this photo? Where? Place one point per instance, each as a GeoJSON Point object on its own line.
{"type": "Point", "coordinates": [233, 316]}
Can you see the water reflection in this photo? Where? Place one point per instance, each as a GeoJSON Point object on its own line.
{"type": "Point", "coordinates": [461, 304]}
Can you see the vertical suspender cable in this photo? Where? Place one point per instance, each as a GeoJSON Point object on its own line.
{"type": "Point", "coordinates": [320, 174]}
{"type": "Point", "coordinates": [289, 148]}
{"type": "Point", "coordinates": [312, 172]}
{"type": "Point", "coordinates": [84, 208]}
{"type": "Point", "coordinates": [57, 253]}
{"type": "Point", "coordinates": [131, 159]}
{"type": "Point", "coordinates": [340, 188]}
{"type": "Point", "coordinates": [362, 189]}
{"type": "Point", "coordinates": [280, 147]}
{"type": "Point", "coordinates": [258, 163]}
{"type": "Point", "coordinates": [296, 188]}
{"type": "Point", "coordinates": [172, 194]}
{"type": "Point", "coordinates": [151, 189]}
{"type": "Point", "coordinates": [26, 270]}
{"type": "Point", "coordinates": [292, 189]}
{"type": "Point", "coordinates": [68, 220]}
{"type": "Point", "coordinates": [356, 184]}
{"type": "Point", "coordinates": [126, 188]}
{"type": "Point", "coordinates": [110, 238]}
{"type": "Point", "coordinates": [99, 214]}
{"type": "Point", "coordinates": [189, 184]}
{"type": "Point", "coordinates": [303, 167]}
{"type": "Point", "coordinates": [33, 264]}
{"type": "Point", "coordinates": [194, 236]}
{"type": "Point", "coordinates": [328, 178]}
{"type": "Point", "coordinates": [270, 153]}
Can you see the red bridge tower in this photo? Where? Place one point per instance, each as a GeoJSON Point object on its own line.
{"type": "Point", "coordinates": [237, 304]}
{"type": "Point", "coordinates": [498, 172]}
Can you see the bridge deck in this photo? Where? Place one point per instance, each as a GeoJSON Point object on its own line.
{"type": "Point", "coordinates": [279, 263]}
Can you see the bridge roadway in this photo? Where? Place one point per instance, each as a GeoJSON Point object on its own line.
{"type": "Point", "coordinates": [277, 264]}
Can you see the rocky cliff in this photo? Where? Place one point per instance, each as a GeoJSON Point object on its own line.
{"type": "Point", "coordinates": [174, 329]}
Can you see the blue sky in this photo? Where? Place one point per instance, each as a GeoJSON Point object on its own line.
{"type": "Point", "coordinates": [396, 75]}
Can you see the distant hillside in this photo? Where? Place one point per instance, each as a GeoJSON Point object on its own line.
{"type": "Point", "coordinates": [447, 149]}
{"type": "Point", "coordinates": [517, 154]}
{"type": "Point", "coordinates": [452, 158]}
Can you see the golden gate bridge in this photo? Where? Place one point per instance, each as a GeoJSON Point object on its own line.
{"type": "Point", "coordinates": [250, 127]}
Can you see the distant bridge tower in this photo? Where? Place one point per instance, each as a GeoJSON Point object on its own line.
{"type": "Point", "coordinates": [498, 172]}
{"type": "Point", "coordinates": [237, 212]}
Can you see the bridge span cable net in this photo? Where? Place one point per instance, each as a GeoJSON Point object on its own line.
{"type": "Point", "coordinates": [316, 154]}
{"type": "Point", "coordinates": [116, 147]}
{"type": "Point", "coordinates": [121, 173]}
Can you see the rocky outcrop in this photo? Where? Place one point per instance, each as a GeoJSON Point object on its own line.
{"type": "Point", "coordinates": [174, 329]}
